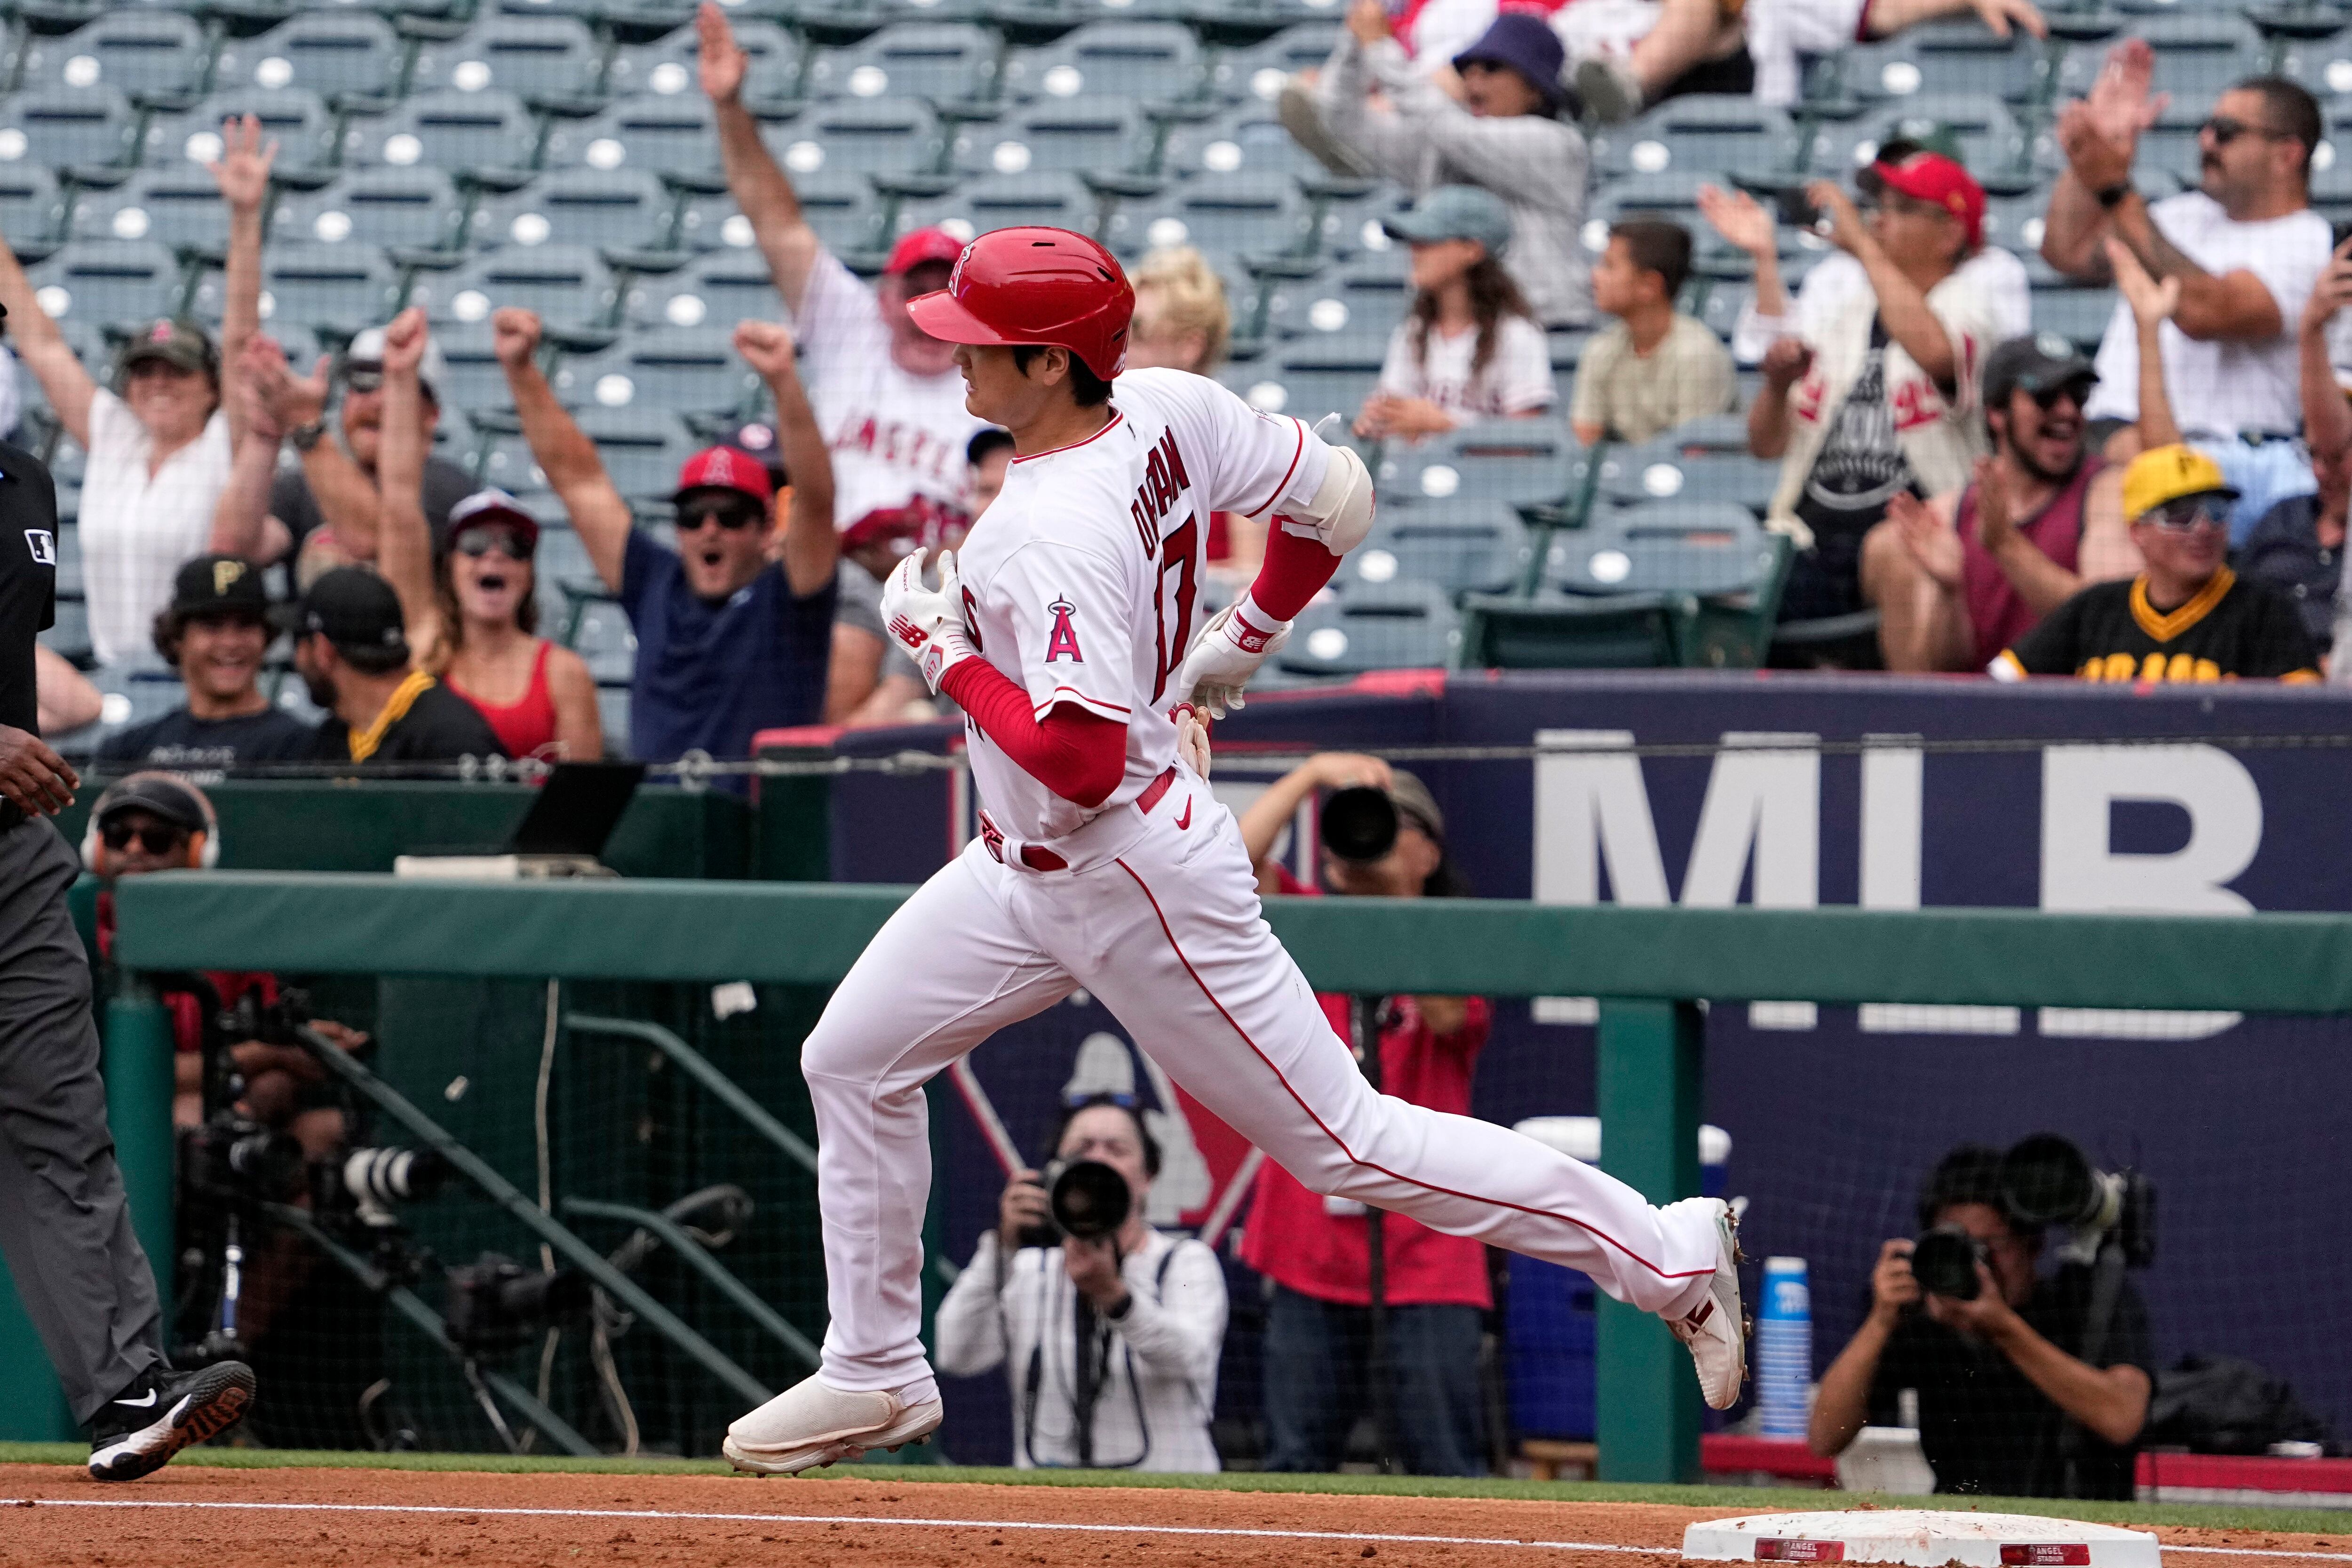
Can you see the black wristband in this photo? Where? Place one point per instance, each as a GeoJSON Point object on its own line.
{"type": "Point", "coordinates": [1126, 1304]}
{"type": "Point", "coordinates": [2112, 196]}
{"type": "Point", "coordinates": [306, 436]}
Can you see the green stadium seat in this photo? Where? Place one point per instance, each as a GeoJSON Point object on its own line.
{"type": "Point", "coordinates": [1143, 62]}
{"type": "Point", "coordinates": [1255, 74]}
{"type": "Point", "coordinates": [1094, 136]}
{"type": "Point", "coordinates": [663, 135]}
{"type": "Point", "coordinates": [1396, 625]}
{"type": "Point", "coordinates": [1665, 471]}
{"type": "Point", "coordinates": [1699, 548]}
{"type": "Point", "coordinates": [417, 209]}
{"type": "Point", "coordinates": [685, 369]}
{"type": "Point", "coordinates": [718, 289]}
{"type": "Point", "coordinates": [1248, 140]}
{"type": "Point", "coordinates": [473, 377]}
{"type": "Point", "coordinates": [642, 448]}
{"type": "Point", "coordinates": [1478, 547]}
{"type": "Point", "coordinates": [1989, 135]}
{"type": "Point", "coordinates": [568, 285]}
{"type": "Point", "coordinates": [297, 119]}
{"type": "Point", "coordinates": [862, 136]}
{"type": "Point", "coordinates": [147, 53]}
{"type": "Point", "coordinates": [1711, 134]}
{"type": "Point", "coordinates": [535, 57]}
{"type": "Point", "coordinates": [107, 281]}
{"type": "Point", "coordinates": [178, 205]}
{"type": "Point", "coordinates": [1059, 200]}
{"type": "Point", "coordinates": [940, 62]}
{"type": "Point", "coordinates": [1553, 630]}
{"type": "Point", "coordinates": [671, 66]}
{"type": "Point", "coordinates": [1243, 215]}
{"type": "Point", "coordinates": [621, 210]}
{"type": "Point", "coordinates": [487, 131]}
{"type": "Point", "coordinates": [334, 52]}
{"type": "Point", "coordinates": [32, 205]}
{"type": "Point", "coordinates": [2079, 314]}
{"type": "Point", "coordinates": [1962, 56]}
{"type": "Point", "coordinates": [842, 207]}
{"type": "Point", "coordinates": [69, 127]}
{"type": "Point", "coordinates": [315, 285]}
{"type": "Point", "coordinates": [1521, 462]}
{"type": "Point", "coordinates": [1309, 377]}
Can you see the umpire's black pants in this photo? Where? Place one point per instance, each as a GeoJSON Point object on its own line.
{"type": "Point", "coordinates": [65, 1226]}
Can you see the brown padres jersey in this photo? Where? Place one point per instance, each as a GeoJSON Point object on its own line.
{"type": "Point", "coordinates": [2228, 630]}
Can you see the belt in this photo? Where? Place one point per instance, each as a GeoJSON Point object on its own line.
{"type": "Point", "coordinates": [1036, 857]}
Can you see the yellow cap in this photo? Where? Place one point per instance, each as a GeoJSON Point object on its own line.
{"type": "Point", "coordinates": [2164, 474]}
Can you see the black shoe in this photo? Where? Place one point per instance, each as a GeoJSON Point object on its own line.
{"type": "Point", "coordinates": [141, 1427]}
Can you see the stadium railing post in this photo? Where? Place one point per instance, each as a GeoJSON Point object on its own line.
{"type": "Point", "coordinates": [1646, 1405]}
{"type": "Point", "coordinates": [138, 1065]}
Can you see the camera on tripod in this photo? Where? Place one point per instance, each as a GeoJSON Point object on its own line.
{"type": "Point", "coordinates": [497, 1304]}
{"type": "Point", "coordinates": [1084, 1198]}
{"type": "Point", "coordinates": [2047, 1183]}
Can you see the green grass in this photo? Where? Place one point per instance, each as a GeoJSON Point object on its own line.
{"type": "Point", "coordinates": [1750, 1499]}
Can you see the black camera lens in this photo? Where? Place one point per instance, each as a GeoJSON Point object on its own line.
{"type": "Point", "coordinates": [2046, 1181]}
{"type": "Point", "coordinates": [1359, 824]}
{"type": "Point", "coordinates": [1090, 1200]}
{"type": "Point", "coordinates": [1944, 1260]}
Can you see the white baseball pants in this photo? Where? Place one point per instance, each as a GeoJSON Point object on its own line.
{"type": "Point", "coordinates": [1158, 916]}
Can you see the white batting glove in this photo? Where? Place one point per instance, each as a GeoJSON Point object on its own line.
{"type": "Point", "coordinates": [1192, 739]}
{"type": "Point", "coordinates": [1228, 651]}
{"type": "Point", "coordinates": [928, 621]}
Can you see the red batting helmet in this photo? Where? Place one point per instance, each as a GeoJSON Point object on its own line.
{"type": "Point", "coordinates": [1015, 286]}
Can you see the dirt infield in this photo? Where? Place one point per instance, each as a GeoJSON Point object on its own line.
{"type": "Point", "coordinates": [192, 1515]}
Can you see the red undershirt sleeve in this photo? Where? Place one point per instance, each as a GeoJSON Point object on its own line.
{"type": "Point", "coordinates": [1078, 755]}
{"type": "Point", "coordinates": [1293, 573]}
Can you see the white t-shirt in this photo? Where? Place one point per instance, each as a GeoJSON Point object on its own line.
{"type": "Point", "coordinates": [1080, 583]}
{"type": "Point", "coordinates": [137, 532]}
{"type": "Point", "coordinates": [893, 435]}
{"type": "Point", "coordinates": [1992, 273]}
{"type": "Point", "coordinates": [1518, 377]}
{"type": "Point", "coordinates": [2227, 385]}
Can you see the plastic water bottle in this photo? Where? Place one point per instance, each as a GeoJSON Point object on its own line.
{"type": "Point", "coordinates": [1784, 1349]}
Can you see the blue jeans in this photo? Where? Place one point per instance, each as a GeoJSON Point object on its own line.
{"type": "Point", "coordinates": [1317, 1384]}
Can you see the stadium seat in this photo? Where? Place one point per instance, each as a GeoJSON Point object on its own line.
{"type": "Point", "coordinates": [1331, 372]}
{"type": "Point", "coordinates": [1479, 547]}
{"type": "Point", "coordinates": [460, 131]}
{"type": "Point", "coordinates": [1553, 630]}
{"type": "Point", "coordinates": [2199, 52]}
{"type": "Point", "coordinates": [297, 119]}
{"type": "Point", "coordinates": [351, 53]}
{"type": "Point", "coordinates": [568, 285]}
{"type": "Point", "coordinates": [1522, 462]}
{"type": "Point", "coordinates": [940, 62]}
{"type": "Point", "coordinates": [1059, 200]}
{"type": "Point", "coordinates": [1666, 471]}
{"type": "Point", "coordinates": [1095, 136]}
{"type": "Point", "coordinates": [1670, 194]}
{"type": "Point", "coordinates": [315, 285]}
{"type": "Point", "coordinates": [1989, 133]}
{"type": "Point", "coordinates": [1396, 625]}
{"type": "Point", "coordinates": [685, 369]}
{"type": "Point", "coordinates": [2078, 314]}
{"type": "Point", "coordinates": [32, 207]}
{"type": "Point", "coordinates": [418, 209]}
{"type": "Point", "coordinates": [1143, 62]}
{"type": "Point", "coordinates": [862, 136]}
{"type": "Point", "coordinates": [1957, 56]}
{"type": "Point", "coordinates": [1248, 140]}
{"type": "Point", "coordinates": [671, 66]}
{"type": "Point", "coordinates": [1245, 215]}
{"type": "Point", "coordinates": [641, 449]}
{"type": "Point", "coordinates": [663, 135]}
{"type": "Point", "coordinates": [1714, 133]}
{"type": "Point", "coordinates": [473, 376]}
{"type": "Point", "coordinates": [179, 205]}
{"type": "Point", "coordinates": [600, 634]}
{"type": "Point", "coordinates": [539, 58]}
{"type": "Point", "coordinates": [1255, 74]}
{"type": "Point", "coordinates": [69, 127]}
{"type": "Point", "coordinates": [623, 209]}
{"type": "Point", "coordinates": [1701, 548]}
{"type": "Point", "coordinates": [719, 289]}
{"type": "Point", "coordinates": [842, 207]}
{"type": "Point", "coordinates": [106, 281]}
{"type": "Point", "coordinates": [148, 53]}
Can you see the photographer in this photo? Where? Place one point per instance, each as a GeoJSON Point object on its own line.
{"type": "Point", "coordinates": [1111, 1343]}
{"type": "Point", "coordinates": [2008, 1407]}
{"type": "Point", "coordinates": [1316, 1252]}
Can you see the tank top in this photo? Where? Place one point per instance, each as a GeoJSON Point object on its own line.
{"type": "Point", "coordinates": [1996, 613]}
{"type": "Point", "coordinates": [527, 725]}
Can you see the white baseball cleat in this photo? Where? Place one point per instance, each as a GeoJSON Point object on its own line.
{"type": "Point", "coordinates": [1716, 1333]}
{"type": "Point", "coordinates": [810, 1425]}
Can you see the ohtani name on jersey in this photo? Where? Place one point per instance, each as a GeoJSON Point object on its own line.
{"type": "Point", "coordinates": [1164, 480]}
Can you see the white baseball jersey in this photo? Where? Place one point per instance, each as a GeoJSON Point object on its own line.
{"type": "Point", "coordinates": [1081, 582]}
{"type": "Point", "coordinates": [893, 435]}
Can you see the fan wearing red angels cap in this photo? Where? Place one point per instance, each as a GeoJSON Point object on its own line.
{"type": "Point", "coordinates": [732, 635]}
{"type": "Point", "coordinates": [885, 392]}
{"type": "Point", "coordinates": [1068, 629]}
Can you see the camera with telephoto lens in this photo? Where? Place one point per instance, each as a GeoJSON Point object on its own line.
{"type": "Point", "coordinates": [1359, 823]}
{"type": "Point", "coordinates": [2046, 1182]}
{"type": "Point", "coordinates": [364, 1183]}
{"type": "Point", "coordinates": [1084, 1198]}
{"type": "Point", "coordinates": [235, 1157]}
{"type": "Point", "coordinates": [497, 1304]}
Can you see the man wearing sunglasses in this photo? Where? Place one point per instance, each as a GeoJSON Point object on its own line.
{"type": "Point", "coordinates": [2245, 248]}
{"type": "Point", "coordinates": [2186, 616]}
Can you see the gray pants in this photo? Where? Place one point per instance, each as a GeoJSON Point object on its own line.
{"type": "Point", "coordinates": [65, 1226]}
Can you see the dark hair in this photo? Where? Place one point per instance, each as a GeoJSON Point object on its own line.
{"type": "Point", "coordinates": [1968, 1174]}
{"type": "Point", "coordinates": [372, 660]}
{"type": "Point", "coordinates": [1493, 296]}
{"type": "Point", "coordinates": [171, 625]}
{"type": "Point", "coordinates": [1087, 389]}
{"type": "Point", "coordinates": [993, 439]}
{"type": "Point", "coordinates": [1117, 1102]}
{"type": "Point", "coordinates": [1657, 246]}
{"type": "Point", "coordinates": [2292, 106]}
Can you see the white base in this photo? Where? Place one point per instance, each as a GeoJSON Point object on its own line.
{"type": "Point", "coordinates": [1921, 1538]}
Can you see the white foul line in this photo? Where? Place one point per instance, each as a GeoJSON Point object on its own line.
{"type": "Point", "coordinates": [889, 1522]}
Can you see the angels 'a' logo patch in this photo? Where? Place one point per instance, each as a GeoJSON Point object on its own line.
{"type": "Point", "coordinates": [1062, 640]}
{"type": "Point", "coordinates": [44, 545]}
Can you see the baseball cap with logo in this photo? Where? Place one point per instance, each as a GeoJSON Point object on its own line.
{"type": "Point", "coordinates": [366, 352]}
{"type": "Point", "coordinates": [351, 607]}
{"type": "Point", "coordinates": [2164, 474]}
{"type": "Point", "coordinates": [2038, 362]}
{"type": "Point", "coordinates": [725, 469]}
{"type": "Point", "coordinates": [493, 505]}
{"type": "Point", "coordinates": [918, 246]}
{"type": "Point", "coordinates": [1930, 178]}
{"type": "Point", "coordinates": [1454, 212]}
{"type": "Point", "coordinates": [175, 341]}
{"type": "Point", "coordinates": [219, 585]}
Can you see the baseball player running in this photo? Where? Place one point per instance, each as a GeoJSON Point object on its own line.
{"type": "Point", "coordinates": [1105, 862]}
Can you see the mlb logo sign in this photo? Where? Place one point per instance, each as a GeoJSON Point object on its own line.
{"type": "Point", "coordinates": [43, 544]}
